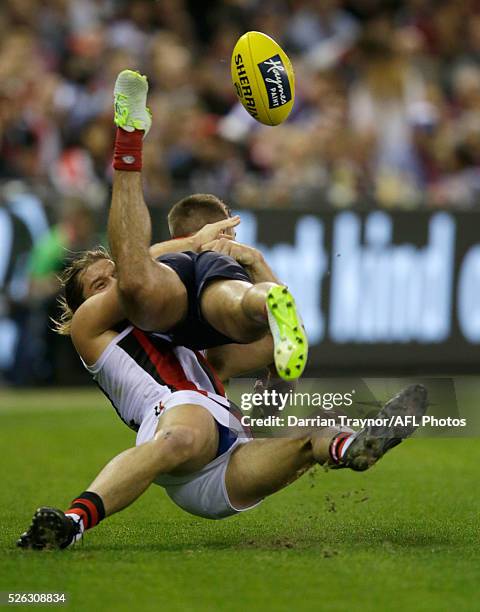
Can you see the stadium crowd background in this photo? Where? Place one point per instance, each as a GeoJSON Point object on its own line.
{"type": "Point", "coordinates": [387, 115]}
{"type": "Point", "coordinates": [387, 110]}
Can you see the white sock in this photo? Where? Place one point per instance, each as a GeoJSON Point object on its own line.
{"type": "Point", "coordinates": [78, 519]}
{"type": "Point", "coordinates": [345, 446]}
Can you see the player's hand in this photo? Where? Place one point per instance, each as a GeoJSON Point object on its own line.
{"type": "Point", "coordinates": [246, 256]}
{"type": "Point", "coordinates": [215, 231]}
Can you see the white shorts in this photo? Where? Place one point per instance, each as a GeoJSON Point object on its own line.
{"type": "Point", "coordinates": [202, 493]}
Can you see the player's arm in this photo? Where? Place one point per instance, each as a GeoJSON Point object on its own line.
{"type": "Point", "coordinates": [93, 323]}
{"type": "Point", "coordinates": [248, 257]}
{"type": "Point", "coordinates": [195, 242]}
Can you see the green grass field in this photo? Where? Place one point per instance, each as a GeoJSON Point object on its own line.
{"type": "Point", "coordinates": [404, 536]}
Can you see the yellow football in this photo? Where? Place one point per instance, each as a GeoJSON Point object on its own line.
{"type": "Point", "coordinates": [263, 78]}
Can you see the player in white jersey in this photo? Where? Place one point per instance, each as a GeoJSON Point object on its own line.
{"type": "Point", "coordinates": [189, 439]}
{"type": "Point", "coordinates": [144, 375]}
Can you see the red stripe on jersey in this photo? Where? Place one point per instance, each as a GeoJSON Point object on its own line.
{"type": "Point", "coordinates": [166, 364]}
{"type": "Point", "coordinates": [217, 383]}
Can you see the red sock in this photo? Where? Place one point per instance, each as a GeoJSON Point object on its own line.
{"type": "Point", "coordinates": [89, 507]}
{"type": "Point", "coordinates": [127, 154]}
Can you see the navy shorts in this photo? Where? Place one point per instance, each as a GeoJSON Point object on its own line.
{"type": "Point", "coordinates": [195, 271]}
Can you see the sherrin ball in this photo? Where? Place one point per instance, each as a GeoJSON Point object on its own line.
{"type": "Point", "coordinates": [263, 78]}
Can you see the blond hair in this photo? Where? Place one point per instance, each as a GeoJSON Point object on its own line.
{"type": "Point", "coordinates": [72, 297]}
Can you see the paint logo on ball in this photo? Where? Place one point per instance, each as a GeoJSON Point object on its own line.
{"type": "Point", "coordinates": [276, 81]}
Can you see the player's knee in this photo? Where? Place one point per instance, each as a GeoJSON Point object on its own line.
{"type": "Point", "coordinates": [178, 442]}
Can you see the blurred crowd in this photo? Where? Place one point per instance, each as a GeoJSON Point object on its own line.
{"type": "Point", "coordinates": [387, 100]}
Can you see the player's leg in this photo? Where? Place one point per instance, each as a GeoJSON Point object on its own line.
{"type": "Point", "coordinates": [186, 440]}
{"type": "Point", "coordinates": [265, 466]}
{"type": "Point", "coordinates": [237, 309]}
{"type": "Point", "coordinates": [152, 294]}
{"type": "Point", "coordinates": [262, 467]}
{"type": "Point", "coordinates": [245, 312]}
